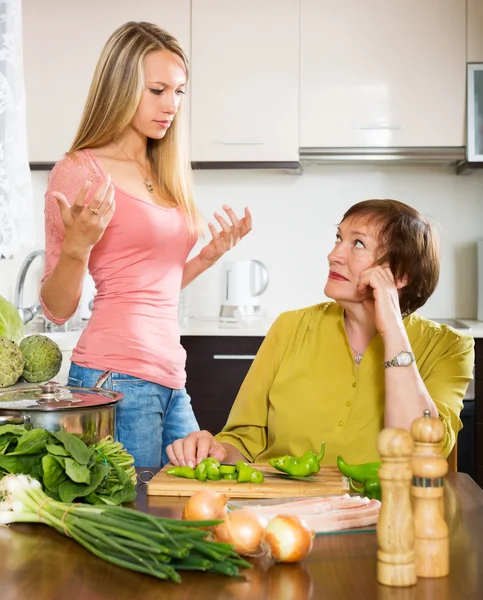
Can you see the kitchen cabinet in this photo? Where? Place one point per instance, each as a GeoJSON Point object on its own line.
{"type": "Point", "coordinates": [382, 74]}
{"type": "Point", "coordinates": [475, 31]}
{"type": "Point", "coordinates": [245, 81]}
{"type": "Point", "coordinates": [62, 43]}
{"type": "Point", "coordinates": [216, 367]}
{"type": "Point", "coordinates": [479, 409]}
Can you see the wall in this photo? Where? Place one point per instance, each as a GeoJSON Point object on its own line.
{"type": "Point", "coordinates": [294, 229]}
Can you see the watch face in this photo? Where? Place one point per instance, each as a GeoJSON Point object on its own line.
{"type": "Point", "coordinates": [404, 359]}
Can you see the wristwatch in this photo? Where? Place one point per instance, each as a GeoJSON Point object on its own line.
{"type": "Point", "coordinates": [403, 359]}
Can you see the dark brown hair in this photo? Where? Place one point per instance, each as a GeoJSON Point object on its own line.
{"type": "Point", "coordinates": [408, 246]}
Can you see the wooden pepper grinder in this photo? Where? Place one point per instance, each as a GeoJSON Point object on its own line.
{"type": "Point", "coordinates": [395, 528]}
{"type": "Point", "coordinates": [429, 468]}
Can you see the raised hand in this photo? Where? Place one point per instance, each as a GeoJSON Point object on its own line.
{"type": "Point", "coordinates": [85, 223]}
{"type": "Point", "coordinates": [229, 236]}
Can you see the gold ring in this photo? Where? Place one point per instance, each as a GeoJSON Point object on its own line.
{"type": "Point", "coordinates": [94, 211]}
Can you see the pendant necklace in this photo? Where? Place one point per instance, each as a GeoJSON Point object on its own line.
{"type": "Point", "coordinates": [358, 355]}
{"type": "Point", "coordinates": [147, 182]}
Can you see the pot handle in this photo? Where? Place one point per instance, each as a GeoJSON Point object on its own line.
{"type": "Point", "coordinates": [14, 420]}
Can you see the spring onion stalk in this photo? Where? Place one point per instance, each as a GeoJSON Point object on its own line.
{"type": "Point", "coordinates": [138, 541]}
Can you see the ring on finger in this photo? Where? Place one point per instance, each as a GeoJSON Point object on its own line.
{"type": "Point", "coordinates": [94, 211]}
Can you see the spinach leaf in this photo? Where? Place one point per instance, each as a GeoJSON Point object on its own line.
{"type": "Point", "coordinates": [78, 473]}
{"type": "Point", "coordinates": [69, 490]}
{"type": "Point", "coordinates": [32, 442]}
{"type": "Point", "coordinates": [54, 474]}
{"type": "Point", "coordinates": [31, 465]}
{"type": "Point", "coordinates": [27, 464]}
{"type": "Point", "coordinates": [10, 464]}
{"type": "Point", "coordinates": [74, 446]}
{"type": "Point", "coordinates": [56, 449]}
{"type": "Point", "coordinates": [17, 430]}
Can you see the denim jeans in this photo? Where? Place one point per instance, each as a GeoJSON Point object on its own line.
{"type": "Point", "coordinates": [148, 418]}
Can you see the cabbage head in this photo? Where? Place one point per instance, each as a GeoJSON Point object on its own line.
{"type": "Point", "coordinates": [11, 324]}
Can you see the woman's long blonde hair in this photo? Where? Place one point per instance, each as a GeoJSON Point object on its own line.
{"type": "Point", "coordinates": [111, 104]}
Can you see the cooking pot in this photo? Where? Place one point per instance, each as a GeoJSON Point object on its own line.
{"type": "Point", "coordinates": [90, 412]}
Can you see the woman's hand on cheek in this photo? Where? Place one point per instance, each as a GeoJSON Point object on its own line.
{"type": "Point", "coordinates": [384, 303]}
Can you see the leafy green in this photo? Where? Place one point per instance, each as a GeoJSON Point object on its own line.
{"type": "Point", "coordinates": [54, 473]}
{"type": "Point", "coordinates": [56, 449]}
{"type": "Point", "coordinates": [76, 472]}
{"type": "Point", "coordinates": [74, 446]}
{"type": "Point", "coordinates": [11, 324]}
{"type": "Point", "coordinates": [68, 490]}
{"type": "Point", "coordinates": [32, 441]}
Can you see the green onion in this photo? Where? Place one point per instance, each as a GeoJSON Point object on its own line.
{"type": "Point", "coordinates": [138, 541]}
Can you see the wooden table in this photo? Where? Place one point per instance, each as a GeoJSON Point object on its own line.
{"type": "Point", "coordinates": [36, 563]}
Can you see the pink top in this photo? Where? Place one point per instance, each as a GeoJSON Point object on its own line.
{"type": "Point", "coordinates": [137, 267]}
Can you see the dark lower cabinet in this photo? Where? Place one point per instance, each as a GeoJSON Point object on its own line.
{"type": "Point", "coordinates": [478, 427]}
{"type": "Point", "coordinates": [216, 367]}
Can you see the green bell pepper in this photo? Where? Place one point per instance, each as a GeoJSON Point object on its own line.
{"type": "Point", "coordinates": [302, 466]}
{"type": "Point", "coordinates": [186, 472]}
{"type": "Point", "coordinates": [360, 472]}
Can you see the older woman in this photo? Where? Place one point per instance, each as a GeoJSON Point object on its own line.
{"type": "Point", "coordinates": [341, 371]}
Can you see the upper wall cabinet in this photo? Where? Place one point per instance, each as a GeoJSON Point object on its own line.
{"type": "Point", "coordinates": [383, 74]}
{"type": "Point", "coordinates": [245, 80]}
{"type": "Point", "coordinates": [475, 31]}
{"type": "Point", "coordinates": [62, 42]}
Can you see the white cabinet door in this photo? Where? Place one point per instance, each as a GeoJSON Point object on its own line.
{"type": "Point", "coordinates": [245, 80]}
{"type": "Point", "coordinates": [382, 73]}
{"type": "Point", "coordinates": [62, 42]}
{"type": "Point", "coordinates": [475, 31]}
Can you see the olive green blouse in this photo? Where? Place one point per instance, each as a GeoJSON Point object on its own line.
{"type": "Point", "coordinates": [304, 388]}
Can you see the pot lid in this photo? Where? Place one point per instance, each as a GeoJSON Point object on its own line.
{"type": "Point", "coordinates": [53, 396]}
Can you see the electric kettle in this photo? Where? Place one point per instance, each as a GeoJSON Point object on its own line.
{"type": "Point", "coordinates": [244, 281]}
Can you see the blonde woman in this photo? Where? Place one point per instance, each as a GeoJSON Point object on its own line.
{"type": "Point", "coordinates": [120, 205]}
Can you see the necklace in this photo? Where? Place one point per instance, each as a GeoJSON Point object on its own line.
{"type": "Point", "coordinates": [147, 182]}
{"type": "Point", "coordinates": [358, 355]}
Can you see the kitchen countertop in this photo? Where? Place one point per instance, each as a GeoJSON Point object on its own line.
{"type": "Point", "coordinates": [214, 327]}
{"type": "Point", "coordinates": [39, 563]}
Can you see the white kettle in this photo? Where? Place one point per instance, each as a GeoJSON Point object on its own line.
{"type": "Point", "coordinates": [244, 281]}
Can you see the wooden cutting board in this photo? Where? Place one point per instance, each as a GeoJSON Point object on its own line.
{"type": "Point", "coordinates": [328, 481]}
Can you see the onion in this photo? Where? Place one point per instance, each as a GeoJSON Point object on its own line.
{"type": "Point", "coordinates": [287, 538]}
{"type": "Point", "coordinates": [242, 528]}
{"type": "Point", "coordinates": [205, 506]}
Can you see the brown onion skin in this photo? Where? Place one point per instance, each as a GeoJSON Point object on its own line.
{"type": "Point", "coordinates": [205, 505]}
{"type": "Point", "coordinates": [242, 528]}
{"type": "Point", "coordinates": [304, 538]}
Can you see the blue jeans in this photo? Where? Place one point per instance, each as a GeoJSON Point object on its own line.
{"type": "Point", "coordinates": [148, 418]}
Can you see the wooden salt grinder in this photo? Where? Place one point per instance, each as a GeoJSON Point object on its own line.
{"type": "Point", "coordinates": [395, 528]}
{"type": "Point", "coordinates": [429, 468]}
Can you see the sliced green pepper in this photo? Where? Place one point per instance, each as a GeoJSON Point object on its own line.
{"type": "Point", "coordinates": [213, 472]}
{"type": "Point", "coordinates": [200, 472]}
{"type": "Point", "coordinates": [302, 466]}
{"type": "Point", "coordinates": [227, 469]}
{"type": "Point", "coordinates": [230, 476]}
{"type": "Point", "coordinates": [360, 472]}
{"type": "Point", "coordinates": [211, 461]}
{"type": "Point", "coordinates": [186, 472]}
{"type": "Point", "coordinates": [256, 476]}
{"type": "Point", "coordinates": [244, 472]}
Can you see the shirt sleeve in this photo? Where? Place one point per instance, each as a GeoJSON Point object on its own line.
{"type": "Point", "coordinates": [67, 177]}
{"type": "Point", "coordinates": [246, 427]}
{"type": "Point", "coordinates": [447, 383]}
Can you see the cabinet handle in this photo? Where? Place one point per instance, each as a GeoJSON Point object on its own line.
{"type": "Point", "coordinates": [223, 143]}
{"type": "Point", "coordinates": [233, 356]}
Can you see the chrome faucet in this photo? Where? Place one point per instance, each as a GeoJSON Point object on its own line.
{"type": "Point", "coordinates": [26, 313]}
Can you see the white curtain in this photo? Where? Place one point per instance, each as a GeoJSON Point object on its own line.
{"type": "Point", "coordinates": [16, 213]}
